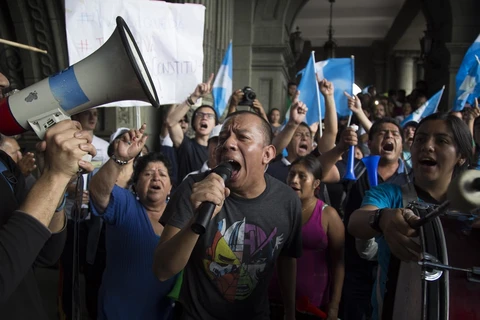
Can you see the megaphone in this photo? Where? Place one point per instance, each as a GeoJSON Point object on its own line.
{"type": "Point", "coordinates": [115, 72]}
{"type": "Point", "coordinates": [371, 162]}
{"type": "Point", "coordinates": [305, 306]}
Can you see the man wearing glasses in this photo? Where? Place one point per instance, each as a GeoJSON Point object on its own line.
{"type": "Point", "coordinates": [192, 153]}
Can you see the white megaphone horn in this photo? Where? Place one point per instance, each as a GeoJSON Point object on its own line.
{"type": "Point", "coordinates": [115, 72]}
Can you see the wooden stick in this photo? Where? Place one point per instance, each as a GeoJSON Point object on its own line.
{"type": "Point", "coordinates": [23, 46]}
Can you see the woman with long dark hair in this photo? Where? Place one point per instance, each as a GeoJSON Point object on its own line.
{"type": "Point", "coordinates": [320, 270]}
{"type": "Point", "coordinates": [441, 149]}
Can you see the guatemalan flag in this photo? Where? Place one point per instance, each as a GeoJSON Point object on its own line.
{"type": "Point", "coordinates": [222, 86]}
{"type": "Point", "coordinates": [426, 109]}
{"type": "Point", "coordinates": [340, 72]}
{"type": "Point", "coordinates": [309, 92]}
{"type": "Point", "coordinates": [470, 87]}
{"type": "Point", "coordinates": [464, 81]}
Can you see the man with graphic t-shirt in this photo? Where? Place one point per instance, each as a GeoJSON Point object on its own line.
{"type": "Point", "coordinates": [256, 225]}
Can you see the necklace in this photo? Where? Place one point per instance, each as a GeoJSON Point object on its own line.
{"type": "Point", "coordinates": [310, 206]}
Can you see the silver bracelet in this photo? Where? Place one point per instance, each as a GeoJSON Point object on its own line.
{"type": "Point", "coordinates": [118, 161]}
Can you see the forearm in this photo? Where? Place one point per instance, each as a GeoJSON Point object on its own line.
{"type": "Point", "coordinates": [102, 184]}
{"type": "Point", "coordinates": [43, 198]}
{"type": "Point", "coordinates": [172, 255]}
{"type": "Point", "coordinates": [287, 275]}
{"type": "Point", "coordinates": [358, 225]}
{"type": "Point", "coordinates": [232, 107]}
{"type": "Point", "coordinates": [58, 221]}
{"type": "Point", "coordinates": [327, 140]}
{"type": "Point", "coordinates": [283, 138]}
{"type": "Point", "coordinates": [328, 161]}
{"type": "Point", "coordinates": [364, 121]}
{"type": "Point", "coordinates": [177, 113]}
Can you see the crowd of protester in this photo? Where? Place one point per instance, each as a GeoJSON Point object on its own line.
{"type": "Point", "coordinates": [290, 236]}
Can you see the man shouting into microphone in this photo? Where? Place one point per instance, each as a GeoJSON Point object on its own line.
{"type": "Point", "coordinates": [255, 226]}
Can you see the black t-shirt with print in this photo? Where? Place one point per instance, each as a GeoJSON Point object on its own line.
{"type": "Point", "coordinates": [228, 273]}
{"type": "Point", "coordinates": [190, 156]}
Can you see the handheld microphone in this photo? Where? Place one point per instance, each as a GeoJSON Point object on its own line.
{"type": "Point", "coordinates": [206, 209]}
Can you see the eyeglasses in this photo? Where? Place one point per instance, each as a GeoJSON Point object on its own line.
{"type": "Point", "coordinates": [203, 114]}
{"type": "Point", "coordinates": [183, 121]}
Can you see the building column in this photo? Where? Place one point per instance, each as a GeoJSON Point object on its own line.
{"type": "Point", "coordinates": [420, 69]}
{"type": "Point", "coordinates": [406, 70]}
{"type": "Point", "coordinates": [379, 68]}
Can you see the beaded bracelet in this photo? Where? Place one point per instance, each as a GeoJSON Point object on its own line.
{"type": "Point", "coordinates": [118, 161]}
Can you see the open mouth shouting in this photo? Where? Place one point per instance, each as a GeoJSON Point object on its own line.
{"type": "Point", "coordinates": [236, 167]}
{"type": "Point", "coordinates": [155, 187]}
{"type": "Point", "coordinates": [302, 148]}
{"type": "Point", "coordinates": [388, 147]}
{"type": "Point", "coordinates": [427, 163]}
{"type": "Point", "coordinates": [203, 125]}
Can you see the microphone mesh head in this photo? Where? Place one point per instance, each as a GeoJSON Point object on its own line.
{"type": "Point", "coordinates": [224, 170]}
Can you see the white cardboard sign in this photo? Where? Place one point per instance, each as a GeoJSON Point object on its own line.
{"type": "Point", "coordinates": [169, 36]}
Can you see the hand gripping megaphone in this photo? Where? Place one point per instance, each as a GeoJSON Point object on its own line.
{"type": "Point", "coordinates": [115, 72]}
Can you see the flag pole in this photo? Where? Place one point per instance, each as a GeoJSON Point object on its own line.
{"type": "Point", "coordinates": [351, 92]}
{"type": "Point", "coordinates": [440, 98]}
{"type": "Point", "coordinates": [318, 99]}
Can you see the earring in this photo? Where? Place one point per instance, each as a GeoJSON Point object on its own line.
{"type": "Point", "coordinates": [168, 197]}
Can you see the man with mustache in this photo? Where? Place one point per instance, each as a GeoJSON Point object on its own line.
{"type": "Point", "coordinates": [255, 226]}
{"type": "Point", "coordinates": [385, 138]}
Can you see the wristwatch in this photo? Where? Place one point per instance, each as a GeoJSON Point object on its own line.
{"type": "Point", "coordinates": [374, 220]}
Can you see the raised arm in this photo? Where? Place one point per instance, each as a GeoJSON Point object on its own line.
{"type": "Point", "coordinates": [25, 233]}
{"type": "Point", "coordinates": [298, 112]}
{"type": "Point", "coordinates": [235, 99]}
{"type": "Point", "coordinates": [62, 160]}
{"type": "Point", "coordinates": [179, 111]}
{"type": "Point", "coordinates": [355, 105]}
{"type": "Point", "coordinates": [329, 158]}
{"type": "Point", "coordinates": [327, 140]}
{"type": "Point", "coordinates": [258, 108]}
{"type": "Point", "coordinates": [125, 150]}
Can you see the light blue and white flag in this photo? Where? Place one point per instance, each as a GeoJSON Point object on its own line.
{"type": "Point", "coordinates": [464, 71]}
{"type": "Point", "coordinates": [426, 109]}
{"type": "Point", "coordinates": [308, 88]}
{"type": "Point", "coordinates": [222, 86]}
{"type": "Point", "coordinates": [340, 72]}
{"type": "Point", "coordinates": [470, 87]}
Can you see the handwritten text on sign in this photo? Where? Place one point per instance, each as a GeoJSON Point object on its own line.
{"type": "Point", "coordinates": [169, 36]}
